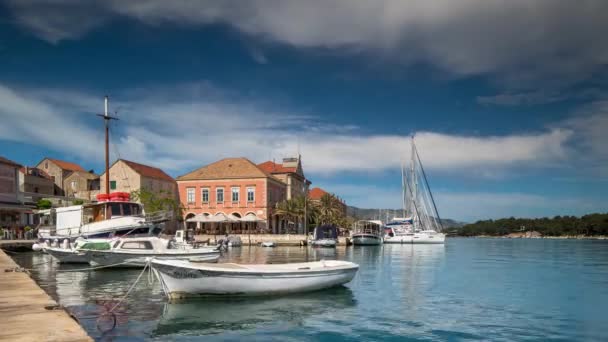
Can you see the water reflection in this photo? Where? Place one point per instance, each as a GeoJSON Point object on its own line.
{"type": "Point", "coordinates": [213, 316]}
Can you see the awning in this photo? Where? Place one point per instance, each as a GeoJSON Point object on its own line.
{"type": "Point", "coordinates": [251, 218]}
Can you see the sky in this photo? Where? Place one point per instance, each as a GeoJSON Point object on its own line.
{"type": "Point", "coordinates": [507, 100]}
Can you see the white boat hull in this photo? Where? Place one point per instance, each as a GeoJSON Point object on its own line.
{"type": "Point", "coordinates": [182, 279]}
{"type": "Point", "coordinates": [324, 243]}
{"type": "Point", "coordinates": [418, 238]}
{"type": "Point", "coordinates": [120, 259]}
{"type": "Point", "coordinates": [366, 240]}
{"type": "Point", "coordinates": [67, 256]}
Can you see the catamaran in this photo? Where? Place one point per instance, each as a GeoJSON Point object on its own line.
{"type": "Point", "coordinates": [421, 222]}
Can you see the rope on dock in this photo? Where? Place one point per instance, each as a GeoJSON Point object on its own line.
{"type": "Point", "coordinates": [111, 311]}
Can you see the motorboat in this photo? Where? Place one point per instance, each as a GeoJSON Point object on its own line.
{"type": "Point", "coordinates": [325, 236]}
{"type": "Point", "coordinates": [181, 278]}
{"type": "Point", "coordinates": [113, 215]}
{"type": "Point", "coordinates": [268, 244]}
{"type": "Point", "coordinates": [367, 233]}
{"type": "Point", "coordinates": [135, 251]}
{"type": "Point", "coordinates": [68, 253]}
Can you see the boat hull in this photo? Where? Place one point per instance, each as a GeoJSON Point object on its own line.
{"type": "Point", "coordinates": [330, 243]}
{"type": "Point", "coordinates": [366, 240]}
{"type": "Point", "coordinates": [67, 256]}
{"type": "Point", "coordinates": [418, 238]}
{"type": "Point", "coordinates": [182, 281]}
{"type": "Point", "coordinates": [130, 260]}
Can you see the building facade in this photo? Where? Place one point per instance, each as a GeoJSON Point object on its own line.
{"type": "Point", "coordinates": [58, 170]}
{"type": "Point", "coordinates": [128, 176]}
{"type": "Point", "coordinates": [233, 186]}
{"type": "Point", "coordinates": [14, 215]}
{"type": "Point", "coordinates": [289, 172]}
{"type": "Point", "coordinates": [81, 184]}
{"type": "Point", "coordinates": [35, 181]}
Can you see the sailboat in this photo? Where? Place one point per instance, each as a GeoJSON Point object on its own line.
{"type": "Point", "coordinates": [114, 214]}
{"type": "Point", "coordinates": [420, 223]}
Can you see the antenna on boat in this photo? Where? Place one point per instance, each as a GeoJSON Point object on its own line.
{"type": "Point", "coordinates": [106, 119]}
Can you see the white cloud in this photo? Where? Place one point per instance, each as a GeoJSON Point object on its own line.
{"type": "Point", "coordinates": [180, 134]}
{"type": "Point", "coordinates": [523, 40]}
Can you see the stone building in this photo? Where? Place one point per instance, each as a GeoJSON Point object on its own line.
{"type": "Point", "coordinates": [58, 170]}
{"type": "Point", "coordinates": [35, 181]}
{"type": "Point", "coordinates": [14, 215]}
{"type": "Point", "coordinates": [233, 186]}
{"type": "Point", "coordinates": [82, 184]}
{"type": "Point", "coordinates": [128, 176]}
{"type": "Point", "coordinates": [289, 172]}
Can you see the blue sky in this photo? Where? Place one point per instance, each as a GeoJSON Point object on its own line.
{"type": "Point", "coordinates": [508, 101]}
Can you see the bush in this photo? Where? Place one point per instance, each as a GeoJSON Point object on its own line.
{"type": "Point", "coordinates": [44, 204]}
{"type": "Point", "coordinates": [77, 201]}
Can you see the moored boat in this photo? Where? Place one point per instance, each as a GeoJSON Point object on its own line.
{"type": "Point", "coordinates": [367, 233]}
{"type": "Point", "coordinates": [182, 279]}
{"type": "Point", "coordinates": [325, 236]}
{"type": "Point", "coordinates": [135, 252]}
{"type": "Point", "coordinates": [71, 253]}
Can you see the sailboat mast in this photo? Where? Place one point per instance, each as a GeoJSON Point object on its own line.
{"type": "Point", "coordinates": [107, 145]}
{"type": "Point", "coordinates": [106, 118]}
{"type": "Point", "coordinates": [403, 189]}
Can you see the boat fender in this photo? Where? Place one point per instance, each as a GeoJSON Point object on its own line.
{"type": "Point", "coordinates": [36, 247]}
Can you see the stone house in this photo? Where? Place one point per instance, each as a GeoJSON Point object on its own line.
{"type": "Point", "coordinates": [233, 186]}
{"type": "Point", "coordinates": [58, 170]}
{"type": "Point", "coordinates": [35, 181]}
{"type": "Point", "coordinates": [128, 176]}
{"type": "Point", "coordinates": [82, 184]}
{"type": "Point", "coordinates": [289, 172]}
{"type": "Point", "coordinates": [14, 215]}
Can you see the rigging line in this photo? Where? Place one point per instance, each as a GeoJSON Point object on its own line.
{"type": "Point", "coordinates": [427, 184]}
{"type": "Point", "coordinates": [126, 179]}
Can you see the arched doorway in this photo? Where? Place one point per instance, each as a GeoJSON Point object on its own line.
{"type": "Point", "coordinates": [190, 225]}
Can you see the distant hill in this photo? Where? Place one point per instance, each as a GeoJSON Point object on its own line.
{"type": "Point", "coordinates": [372, 214]}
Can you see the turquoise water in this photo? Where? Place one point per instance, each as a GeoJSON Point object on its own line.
{"type": "Point", "coordinates": [469, 289]}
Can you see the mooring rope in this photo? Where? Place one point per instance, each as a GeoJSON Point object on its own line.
{"type": "Point", "coordinates": [111, 311]}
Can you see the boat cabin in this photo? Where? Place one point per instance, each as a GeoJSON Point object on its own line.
{"type": "Point", "coordinates": [325, 232]}
{"type": "Point", "coordinates": [368, 227]}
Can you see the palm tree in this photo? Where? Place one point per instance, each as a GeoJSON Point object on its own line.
{"type": "Point", "coordinates": [329, 211]}
{"type": "Point", "coordinates": [287, 209]}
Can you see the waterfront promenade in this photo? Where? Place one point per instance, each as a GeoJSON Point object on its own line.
{"type": "Point", "coordinates": [27, 313]}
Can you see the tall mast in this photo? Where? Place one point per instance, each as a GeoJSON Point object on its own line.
{"type": "Point", "coordinates": [106, 119]}
{"type": "Point", "coordinates": [403, 189]}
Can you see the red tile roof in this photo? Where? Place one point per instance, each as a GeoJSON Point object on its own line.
{"type": "Point", "coordinates": [272, 167]}
{"type": "Point", "coordinates": [228, 168]}
{"type": "Point", "coordinates": [316, 193]}
{"type": "Point", "coordinates": [148, 171]}
{"type": "Point", "coordinates": [66, 165]}
{"type": "Point", "coordinates": [8, 162]}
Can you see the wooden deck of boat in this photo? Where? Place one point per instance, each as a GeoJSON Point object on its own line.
{"type": "Point", "coordinates": [24, 310]}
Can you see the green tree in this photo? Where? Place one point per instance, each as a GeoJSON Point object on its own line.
{"type": "Point", "coordinates": [159, 201]}
{"type": "Point", "coordinates": [329, 209]}
{"type": "Point", "coordinates": [78, 201]}
{"type": "Point", "coordinates": [44, 204]}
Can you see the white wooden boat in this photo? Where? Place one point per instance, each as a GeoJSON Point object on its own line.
{"type": "Point", "coordinates": [181, 279]}
{"type": "Point", "coordinates": [324, 243]}
{"type": "Point", "coordinates": [268, 244]}
{"type": "Point", "coordinates": [135, 252]}
{"type": "Point", "coordinates": [367, 233]}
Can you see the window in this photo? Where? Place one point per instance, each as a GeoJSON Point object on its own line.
{"type": "Point", "coordinates": [250, 194]}
{"type": "Point", "coordinates": [112, 185]}
{"type": "Point", "coordinates": [46, 165]}
{"type": "Point", "coordinates": [219, 195]}
{"type": "Point", "coordinates": [136, 245]}
{"type": "Point", "coordinates": [235, 194]}
{"type": "Point", "coordinates": [205, 195]}
{"type": "Point", "coordinates": [190, 195]}
{"type": "Point", "coordinates": [73, 185]}
{"type": "Point", "coordinates": [115, 209]}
